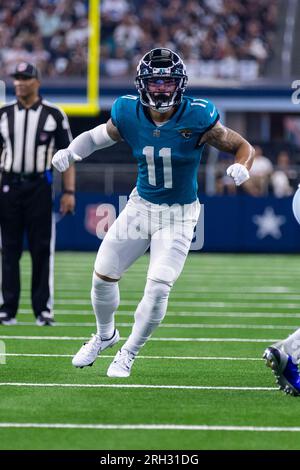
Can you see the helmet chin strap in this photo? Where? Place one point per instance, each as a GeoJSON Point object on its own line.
{"type": "Point", "coordinates": [160, 110]}
{"type": "Point", "coordinates": [158, 107]}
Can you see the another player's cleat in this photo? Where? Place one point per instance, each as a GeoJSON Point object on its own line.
{"type": "Point", "coordinates": [88, 353]}
{"type": "Point", "coordinates": [45, 319]}
{"type": "Point", "coordinates": [286, 372]}
{"type": "Point", "coordinates": [5, 319]}
{"type": "Point", "coordinates": [122, 364]}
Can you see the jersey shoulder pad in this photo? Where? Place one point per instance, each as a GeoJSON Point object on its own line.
{"type": "Point", "coordinates": [122, 108]}
{"type": "Point", "coordinates": [206, 113]}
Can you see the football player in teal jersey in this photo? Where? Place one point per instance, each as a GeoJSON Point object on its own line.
{"type": "Point", "coordinates": [167, 132]}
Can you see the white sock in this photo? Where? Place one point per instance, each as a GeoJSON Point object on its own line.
{"type": "Point", "coordinates": [148, 315]}
{"type": "Point", "coordinates": [105, 300]}
{"type": "Point", "coordinates": [291, 345]}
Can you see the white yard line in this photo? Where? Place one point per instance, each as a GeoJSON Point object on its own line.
{"type": "Point", "coordinates": [153, 427]}
{"type": "Point", "coordinates": [135, 386]}
{"type": "Point", "coordinates": [268, 290]}
{"type": "Point", "coordinates": [195, 292]}
{"type": "Point", "coordinates": [171, 313]}
{"type": "Point", "coordinates": [205, 340]}
{"type": "Point", "coordinates": [175, 358]}
{"type": "Point", "coordinates": [181, 325]}
{"type": "Point", "coordinates": [211, 274]}
{"type": "Point", "coordinates": [175, 303]}
{"type": "Point", "coordinates": [66, 294]}
{"type": "Point", "coordinates": [280, 292]}
{"type": "Point", "coordinates": [199, 270]}
{"type": "Point", "coordinates": [254, 288]}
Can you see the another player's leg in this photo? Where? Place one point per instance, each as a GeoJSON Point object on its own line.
{"type": "Point", "coordinates": [117, 252]}
{"type": "Point", "coordinates": [168, 255]}
{"type": "Point", "coordinates": [283, 358]}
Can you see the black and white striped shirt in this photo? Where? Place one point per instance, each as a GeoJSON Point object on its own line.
{"type": "Point", "coordinates": [29, 137]}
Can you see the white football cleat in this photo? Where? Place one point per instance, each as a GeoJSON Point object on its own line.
{"type": "Point", "coordinates": [5, 319]}
{"type": "Point", "coordinates": [121, 365]}
{"type": "Point", "coordinates": [45, 319]}
{"type": "Point", "coordinates": [88, 353]}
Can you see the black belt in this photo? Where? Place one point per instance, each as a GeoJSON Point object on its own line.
{"type": "Point", "coordinates": [21, 177]}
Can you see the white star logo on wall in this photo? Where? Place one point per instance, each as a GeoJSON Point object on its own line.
{"type": "Point", "coordinates": [269, 224]}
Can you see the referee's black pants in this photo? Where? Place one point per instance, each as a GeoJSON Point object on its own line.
{"type": "Point", "coordinates": [26, 207]}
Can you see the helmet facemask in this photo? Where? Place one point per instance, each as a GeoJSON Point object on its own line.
{"type": "Point", "coordinates": [161, 80]}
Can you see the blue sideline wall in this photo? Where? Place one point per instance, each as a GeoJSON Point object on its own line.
{"type": "Point", "coordinates": [231, 224]}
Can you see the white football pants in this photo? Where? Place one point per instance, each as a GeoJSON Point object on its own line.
{"type": "Point", "coordinates": [168, 230]}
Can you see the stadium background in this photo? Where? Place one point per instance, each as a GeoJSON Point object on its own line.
{"type": "Point", "coordinates": [243, 56]}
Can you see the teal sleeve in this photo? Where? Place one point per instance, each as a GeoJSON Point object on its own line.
{"type": "Point", "coordinates": [211, 116]}
{"type": "Point", "coordinates": [115, 113]}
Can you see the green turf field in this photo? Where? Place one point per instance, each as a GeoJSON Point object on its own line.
{"type": "Point", "coordinates": [199, 383]}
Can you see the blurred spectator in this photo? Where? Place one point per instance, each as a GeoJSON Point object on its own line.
{"type": "Point", "coordinates": [224, 184]}
{"type": "Point", "coordinates": [51, 34]}
{"type": "Point", "coordinates": [128, 34]}
{"type": "Point", "coordinates": [217, 38]}
{"type": "Point", "coordinates": [260, 174]}
{"type": "Point", "coordinates": [48, 21]}
{"type": "Point", "coordinates": [284, 177]}
{"type": "Point", "coordinates": [114, 10]}
{"type": "Point", "coordinates": [280, 179]}
{"type": "Point", "coordinates": [118, 66]}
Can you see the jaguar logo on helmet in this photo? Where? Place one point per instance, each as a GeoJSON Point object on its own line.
{"type": "Point", "coordinates": [163, 64]}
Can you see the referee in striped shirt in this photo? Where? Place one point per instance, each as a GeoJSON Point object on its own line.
{"type": "Point", "coordinates": [31, 130]}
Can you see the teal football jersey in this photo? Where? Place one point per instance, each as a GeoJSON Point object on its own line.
{"type": "Point", "coordinates": [168, 156]}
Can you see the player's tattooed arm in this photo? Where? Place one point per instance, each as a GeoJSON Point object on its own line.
{"type": "Point", "coordinates": [113, 131]}
{"type": "Point", "coordinates": [227, 140]}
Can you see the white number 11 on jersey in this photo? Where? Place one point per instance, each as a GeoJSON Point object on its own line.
{"type": "Point", "coordinates": [165, 153]}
